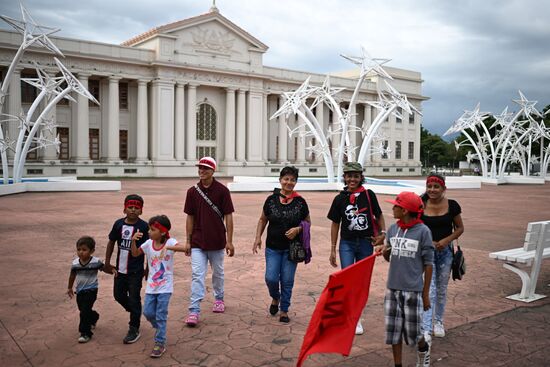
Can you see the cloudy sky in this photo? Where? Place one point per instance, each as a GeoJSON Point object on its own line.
{"type": "Point", "coordinates": [467, 51]}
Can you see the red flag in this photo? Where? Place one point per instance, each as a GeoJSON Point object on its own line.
{"type": "Point", "coordinates": [332, 325]}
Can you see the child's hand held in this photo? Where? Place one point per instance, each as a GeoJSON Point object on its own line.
{"type": "Point", "coordinates": [137, 235]}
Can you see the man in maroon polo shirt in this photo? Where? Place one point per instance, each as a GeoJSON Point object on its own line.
{"type": "Point", "coordinates": [209, 228]}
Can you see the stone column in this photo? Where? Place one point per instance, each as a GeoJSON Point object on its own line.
{"type": "Point", "coordinates": [50, 152]}
{"type": "Point", "coordinates": [368, 115]}
{"type": "Point", "coordinates": [265, 129]}
{"type": "Point", "coordinates": [191, 137]}
{"type": "Point", "coordinates": [241, 126]}
{"type": "Point", "coordinates": [254, 134]}
{"type": "Point", "coordinates": [82, 123]}
{"type": "Point", "coordinates": [320, 116]}
{"type": "Point", "coordinates": [142, 133]}
{"type": "Point", "coordinates": [229, 125]}
{"type": "Point", "coordinates": [179, 138]}
{"type": "Point", "coordinates": [14, 108]}
{"type": "Point", "coordinates": [113, 129]}
{"type": "Point", "coordinates": [162, 120]}
{"type": "Point", "coordinates": [283, 135]}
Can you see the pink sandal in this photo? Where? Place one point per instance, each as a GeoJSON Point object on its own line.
{"type": "Point", "coordinates": [192, 319]}
{"type": "Point", "coordinates": [219, 306]}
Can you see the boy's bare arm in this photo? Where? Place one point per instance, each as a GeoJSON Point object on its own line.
{"type": "Point", "coordinates": [189, 222]}
{"type": "Point", "coordinates": [428, 269]}
{"type": "Point", "coordinates": [334, 229]}
{"type": "Point", "coordinates": [108, 268]}
{"type": "Point", "coordinates": [70, 291]}
{"type": "Point", "coordinates": [136, 237]}
{"type": "Point", "coordinates": [229, 248]}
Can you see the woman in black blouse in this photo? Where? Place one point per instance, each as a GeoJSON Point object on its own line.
{"type": "Point", "coordinates": [443, 217]}
{"type": "Point", "coordinates": [284, 210]}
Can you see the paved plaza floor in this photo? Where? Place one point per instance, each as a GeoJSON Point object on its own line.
{"type": "Point", "coordinates": [39, 324]}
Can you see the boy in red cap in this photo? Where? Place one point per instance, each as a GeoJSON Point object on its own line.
{"type": "Point", "coordinates": [410, 253]}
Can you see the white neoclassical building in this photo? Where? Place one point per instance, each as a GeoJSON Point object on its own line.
{"type": "Point", "coordinates": [187, 89]}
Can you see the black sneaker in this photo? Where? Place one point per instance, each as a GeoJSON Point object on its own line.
{"type": "Point", "coordinates": [132, 336]}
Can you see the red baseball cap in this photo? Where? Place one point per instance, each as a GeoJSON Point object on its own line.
{"type": "Point", "coordinates": [408, 200]}
{"type": "Point", "coordinates": [207, 162]}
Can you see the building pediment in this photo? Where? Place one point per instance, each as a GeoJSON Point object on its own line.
{"type": "Point", "coordinates": [207, 40]}
{"type": "Point", "coordinates": [210, 31]}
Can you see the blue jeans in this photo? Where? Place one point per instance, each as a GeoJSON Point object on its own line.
{"type": "Point", "coordinates": [155, 310]}
{"type": "Point", "coordinates": [279, 276]}
{"type": "Point", "coordinates": [199, 267]}
{"type": "Point", "coordinates": [352, 251]}
{"type": "Point", "coordinates": [438, 288]}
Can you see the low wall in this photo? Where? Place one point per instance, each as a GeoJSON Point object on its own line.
{"type": "Point", "coordinates": [60, 184]}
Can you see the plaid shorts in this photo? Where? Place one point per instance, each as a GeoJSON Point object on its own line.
{"type": "Point", "coordinates": [403, 316]}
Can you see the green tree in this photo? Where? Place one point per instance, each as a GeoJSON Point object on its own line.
{"type": "Point", "coordinates": [434, 150]}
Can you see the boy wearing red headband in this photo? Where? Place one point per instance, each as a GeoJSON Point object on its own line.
{"type": "Point", "coordinates": [159, 250]}
{"type": "Point", "coordinates": [129, 269]}
{"type": "Point", "coordinates": [410, 252]}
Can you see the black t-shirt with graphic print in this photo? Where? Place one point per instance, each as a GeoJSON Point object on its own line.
{"type": "Point", "coordinates": [122, 233]}
{"type": "Point", "coordinates": [281, 218]}
{"type": "Point", "coordinates": [356, 220]}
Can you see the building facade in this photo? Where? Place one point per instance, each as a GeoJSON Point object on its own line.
{"type": "Point", "coordinates": [188, 89]}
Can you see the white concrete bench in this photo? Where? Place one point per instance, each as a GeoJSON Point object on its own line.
{"type": "Point", "coordinates": [530, 256]}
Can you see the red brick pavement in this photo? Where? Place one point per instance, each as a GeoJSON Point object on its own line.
{"type": "Point", "coordinates": [38, 323]}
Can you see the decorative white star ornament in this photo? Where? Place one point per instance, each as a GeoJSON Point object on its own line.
{"type": "Point", "coordinates": [32, 32]}
{"type": "Point", "coordinates": [367, 64]}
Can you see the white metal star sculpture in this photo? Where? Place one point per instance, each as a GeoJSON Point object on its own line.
{"type": "Point", "coordinates": [507, 140]}
{"type": "Point", "coordinates": [528, 107]}
{"type": "Point", "coordinates": [48, 86]}
{"type": "Point", "coordinates": [369, 65]}
{"type": "Point", "coordinates": [294, 100]}
{"type": "Point", "coordinates": [400, 99]}
{"type": "Point", "coordinates": [43, 81]}
{"type": "Point", "coordinates": [324, 94]}
{"type": "Point", "coordinates": [32, 32]}
{"type": "Point", "coordinates": [35, 35]}
{"type": "Point", "coordinates": [73, 83]}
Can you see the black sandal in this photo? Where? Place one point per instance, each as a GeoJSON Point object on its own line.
{"type": "Point", "coordinates": [273, 309]}
{"type": "Point", "coordinates": [284, 319]}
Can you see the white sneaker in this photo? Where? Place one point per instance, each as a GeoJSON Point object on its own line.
{"type": "Point", "coordinates": [423, 358]}
{"type": "Point", "coordinates": [359, 328]}
{"type": "Point", "coordinates": [439, 330]}
{"type": "Point", "coordinates": [427, 337]}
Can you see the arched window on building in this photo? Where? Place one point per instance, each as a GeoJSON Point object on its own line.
{"type": "Point", "coordinates": [206, 130]}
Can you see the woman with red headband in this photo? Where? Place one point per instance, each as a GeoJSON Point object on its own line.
{"type": "Point", "coordinates": [443, 217]}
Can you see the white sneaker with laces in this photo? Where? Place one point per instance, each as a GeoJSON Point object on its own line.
{"type": "Point", "coordinates": [423, 358]}
{"type": "Point", "coordinates": [439, 330]}
{"type": "Point", "coordinates": [359, 328]}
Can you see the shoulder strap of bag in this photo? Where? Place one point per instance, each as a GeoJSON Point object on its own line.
{"type": "Point", "coordinates": [374, 224]}
{"type": "Point", "coordinates": [209, 202]}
